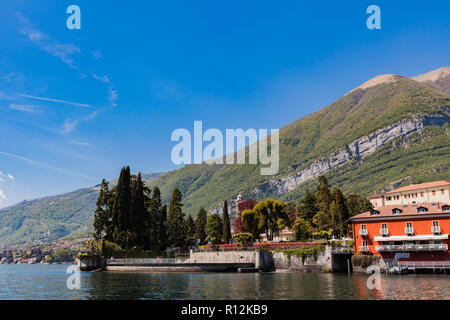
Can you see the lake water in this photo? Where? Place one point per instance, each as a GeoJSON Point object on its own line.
{"type": "Point", "coordinates": [49, 282]}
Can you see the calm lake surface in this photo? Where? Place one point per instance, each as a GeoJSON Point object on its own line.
{"type": "Point", "coordinates": [49, 282]}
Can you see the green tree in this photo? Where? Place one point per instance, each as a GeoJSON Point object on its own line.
{"type": "Point", "coordinates": [122, 202]}
{"type": "Point", "coordinates": [214, 229]}
{"type": "Point", "coordinates": [102, 215]}
{"type": "Point", "coordinates": [163, 229]}
{"type": "Point", "coordinates": [339, 212]}
{"type": "Point", "coordinates": [138, 213]}
{"type": "Point", "coordinates": [323, 219]}
{"type": "Point", "coordinates": [272, 216]}
{"type": "Point", "coordinates": [190, 228]}
{"type": "Point", "coordinates": [250, 222]}
{"type": "Point", "coordinates": [176, 225]}
{"type": "Point", "coordinates": [307, 207]}
{"type": "Point", "coordinates": [155, 222]}
{"type": "Point", "coordinates": [226, 224]}
{"type": "Point", "coordinates": [200, 225]}
{"type": "Point", "coordinates": [357, 204]}
{"type": "Point", "coordinates": [302, 229]}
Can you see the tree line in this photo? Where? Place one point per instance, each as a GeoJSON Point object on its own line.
{"type": "Point", "coordinates": [131, 214]}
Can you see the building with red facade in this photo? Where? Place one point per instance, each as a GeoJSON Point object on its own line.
{"type": "Point", "coordinates": [416, 232]}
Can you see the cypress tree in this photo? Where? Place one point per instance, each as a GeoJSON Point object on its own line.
{"type": "Point", "coordinates": [176, 225]}
{"type": "Point", "coordinates": [307, 207]}
{"type": "Point", "coordinates": [155, 220]}
{"type": "Point", "coordinates": [102, 222]}
{"type": "Point", "coordinates": [190, 225]}
{"type": "Point", "coordinates": [200, 224]}
{"type": "Point", "coordinates": [162, 228]}
{"type": "Point", "coordinates": [226, 224]}
{"type": "Point", "coordinates": [121, 208]}
{"type": "Point", "coordinates": [323, 218]}
{"type": "Point", "coordinates": [138, 212]}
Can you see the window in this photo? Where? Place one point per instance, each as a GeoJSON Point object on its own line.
{"type": "Point", "coordinates": [415, 195]}
{"type": "Point", "coordinates": [421, 194]}
{"type": "Point", "coordinates": [442, 191]}
{"type": "Point", "coordinates": [388, 198]}
{"type": "Point", "coordinates": [422, 209]}
{"type": "Point", "coordinates": [383, 226]}
{"type": "Point", "coordinates": [446, 208]}
{"type": "Point", "coordinates": [374, 212]}
{"type": "Point", "coordinates": [364, 243]}
{"type": "Point", "coordinates": [398, 197]}
{"type": "Point", "coordinates": [363, 226]}
{"type": "Point", "coordinates": [396, 211]}
{"type": "Point", "coordinates": [435, 223]}
{"type": "Point", "coordinates": [433, 192]}
{"type": "Point", "coordinates": [409, 224]}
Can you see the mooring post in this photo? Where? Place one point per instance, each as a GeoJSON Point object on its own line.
{"type": "Point", "coordinates": [348, 265]}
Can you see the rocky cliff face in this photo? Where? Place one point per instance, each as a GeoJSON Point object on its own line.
{"type": "Point", "coordinates": [357, 150]}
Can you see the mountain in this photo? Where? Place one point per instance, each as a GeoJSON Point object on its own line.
{"type": "Point", "coordinates": [51, 218]}
{"type": "Point", "coordinates": [391, 130]}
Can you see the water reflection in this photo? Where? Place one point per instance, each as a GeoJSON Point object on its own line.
{"type": "Point", "coordinates": [49, 282]}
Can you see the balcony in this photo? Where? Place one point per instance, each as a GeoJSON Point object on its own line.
{"type": "Point", "coordinates": [409, 230]}
{"type": "Point", "coordinates": [436, 229]}
{"type": "Point", "coordinates": [384, 231]}
{"type": "Point", "coordinates": [412, 247]}
{"type": "Point", "coordinates": [363, 232]}
{"type": "Point", "coordinates": [364, 248]}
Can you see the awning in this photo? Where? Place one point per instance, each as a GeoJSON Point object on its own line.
{"type": "Point", "coordinates": [412, 238]}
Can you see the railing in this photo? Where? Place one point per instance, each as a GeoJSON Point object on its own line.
{"type": "Point", "coordinates": [425, 264]}
{"type": "Point", "coordinates": [409, 230]}
{"type": "Point", "coordinates": [436, 229]}
{"type": "Point", "coordinates": [384, 231]}
{"type": "Point", "coordinates": [144, 261]}
{"type": "Point", "coordinates": [364, 248]}
{"type": "Point", "coordinates": [363, 232]}
{"type": "Point", "coordinates": [412, 247]}
{"type": "Point", "coordinates": [337, 250]}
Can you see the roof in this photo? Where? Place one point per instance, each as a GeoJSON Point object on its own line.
{"type": "Point", "coordinates": [407, 210]}
{"type": "Point", "coordinates": [411, 187]}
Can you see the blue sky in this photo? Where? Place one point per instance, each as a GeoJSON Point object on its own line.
{"type": "Point", "coordinates": [77, 105]}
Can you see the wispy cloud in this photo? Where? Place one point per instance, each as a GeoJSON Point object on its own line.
{"type": "Point", "coordinates": [46, 166]}
{"type": "Point", "coordinates": [24, 108]}
{"type": "Point", "coordinates": [70, 124]}
{"type": "Point", "coordinates": [10, 176]}
{"type": "Point", "coordinates": [46, 43]}
{"type": "Point", "coordinates": [80, 143]}
{"type": "Point", "coordinates": [7, 77]}
{"type": "Point", "coordinates": [2, 195]}
{"type": "Point", "coordinates": [97, 54]}
{"type": "Point", "coordinates": [103, 79]}
{"type": "Point", "coordinates": [84, 105]}
{"type": "Point", "coordinates": [113, 96]}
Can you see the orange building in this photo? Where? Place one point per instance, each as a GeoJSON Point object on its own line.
{"type": "Point", "coordinates": [405, 232]}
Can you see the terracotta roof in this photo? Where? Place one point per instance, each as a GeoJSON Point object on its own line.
{"type": "Point", "coordinates": [375, 196]}
{"type": "Point", "coordinates": [411, 187]}
{"type": "Point", "coordinates": [406, 210]}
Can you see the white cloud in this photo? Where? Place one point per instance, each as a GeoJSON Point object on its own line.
{"type": "Point", "coordinates": [24, 108]}
{"type": "Point", "coordinates": [44, 165]}
{"type": "Point", "coordinates": [10, 176]}
{"type": "Point", "coordinates": [70, 124]}
{"type": "Point", "coordinates": [97, 54]}
{"type": "Point", "coordinates": [2, 196]}
{"type": "Point", "coordinates": [103, 79]}
{"type": "Point", "coordinates": [113, 96]}
{"type": "Point", "coordinates": [7, 77]}
{"type": "Point", "coordinates": [61, 51]}
{"type": "Point", "coordinates": [56, 100]}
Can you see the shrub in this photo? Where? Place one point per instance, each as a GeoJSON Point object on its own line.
{"type": "Point", "coordinates": [243, 239]}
